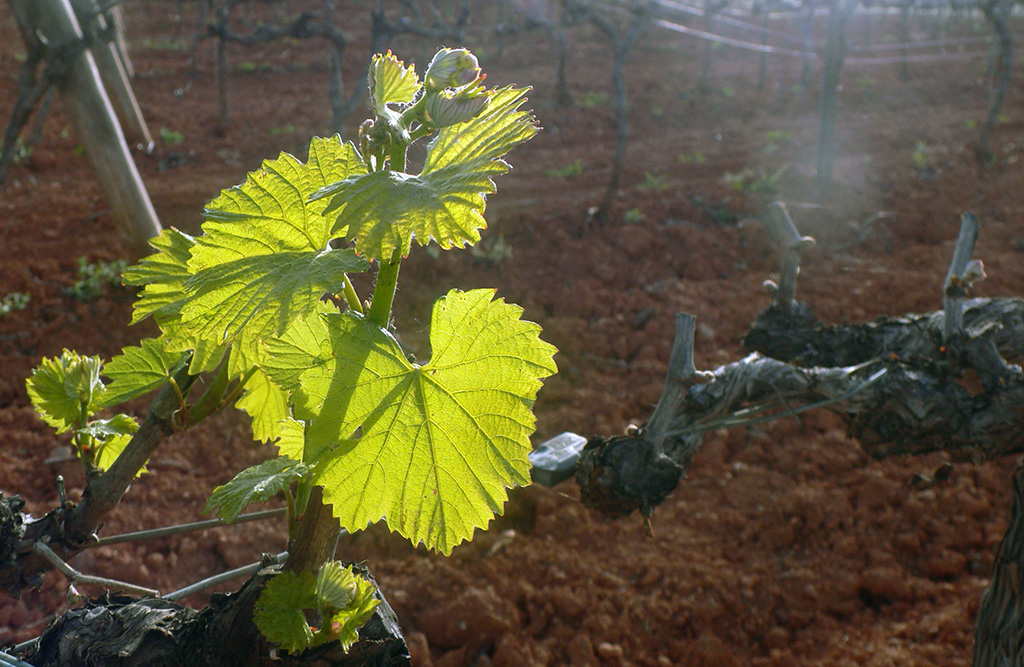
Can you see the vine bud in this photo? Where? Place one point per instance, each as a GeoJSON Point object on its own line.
{"type": "Point", "coordinates": [448, 107]}
{"type": "Point", "coordinates": [451, 68]}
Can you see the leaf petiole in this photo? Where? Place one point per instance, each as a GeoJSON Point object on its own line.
{"type": "Point", "coordinates": [351, 298]}
{"type": "Point", "coordinates": [182, 406]}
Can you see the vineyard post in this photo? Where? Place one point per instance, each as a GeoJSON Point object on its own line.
{"type": "Point", "coordinates": [997, 13]}
{"type": "Point", "coordinates": [711, 10]}
{"type": "Point", "coordinates": [806, 23]}
{"type": "Point", "coordinates": [113, 73]}
{"type": "Point", "coordinates": [115, 17]}
{"type": "Point", "coordinates": [93, 117]}
{"type": "Point", "coordinates": [835, 54]}
{"type": "Point", "coordinates": [621, 45]}
{"type": "Point", "coordinates": [904, 40]}
{"type": "Point", "coordinates": [762, 75]}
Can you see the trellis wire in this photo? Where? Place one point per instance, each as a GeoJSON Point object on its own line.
{"type": "Point", "coordinates": [221, 578]}
{"type": "Point", "coordinates": [188, 527]}
{"type": "Point", "coordinates": [8, 659]}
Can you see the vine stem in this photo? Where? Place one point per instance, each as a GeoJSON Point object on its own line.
{"type": "Point", "coordinates": [384, 290]}
{"type": "Point", "coordinates": [74, 575]}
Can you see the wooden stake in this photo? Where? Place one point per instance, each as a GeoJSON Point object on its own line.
{"type": "Point", "coordinates": [95, 123]}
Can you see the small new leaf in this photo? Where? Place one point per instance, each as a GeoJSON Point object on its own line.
{"type": "Point", "coordinates": [437, 444]}
{"type": "Point", "coordinates": [335, 586]}
{"type": "Point", "coordinates": [383, 211]}
{"type": "Point", "coordinates": [347, 601]}
{"type": "Point", "coordinates": [139, 370]}
{"type": "Point", "coordinates": [391, 82]}
{"type": "Point", "coordinates": [280, 610]}
{"type": "Point", "coordinates": [282, 607]}
{"type": "Point", "coordinates": [65, 390]}
{"type": "Point", "coordinates": [108, 437]}
{"type": "Point", "coordinates": [252, 485]}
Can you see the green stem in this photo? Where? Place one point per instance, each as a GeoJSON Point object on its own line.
{"type": "Point", "coordinates": [398, 149]}
{"type": "Point", "coordinates": [351, 297]}
{"type": "Point", "coordinates": [236, 391]}
{"type": "Point", "coordinates": [210, 401]}
{"type": "Point", "coordinates": [412, 113]}
{"type": "Point", "coordinates": [384, 290]}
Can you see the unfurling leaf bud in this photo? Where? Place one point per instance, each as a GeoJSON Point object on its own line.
{"type": "Point", "coordinates": [451, 68]}
{"type": "Point", "coordinates": [448, 107]}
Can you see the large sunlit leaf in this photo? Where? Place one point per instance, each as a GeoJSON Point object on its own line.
{"type": "Point", "coordinates": [383, 211]}
{"type": "Point", "coordinates": [66, 390]}
{"type": "Point", "coordinates": [264, 258]}
{"type": "Point", "coordinates": [252, 485]}
{"type": "Point", "coordinates": [139, 370]}
{"type": "Point", "coordinates": [434, 446]}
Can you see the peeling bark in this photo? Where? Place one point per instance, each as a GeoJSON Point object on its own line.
{"type": "Point", "coordinates": [117, 630]}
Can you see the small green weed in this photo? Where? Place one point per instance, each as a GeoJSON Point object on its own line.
{"type": "Point", "coordinates": [593, 99]}
{"type": "Point", "coordinates": [163, 44]}
{"type": "Point", "coordinates": [693, 158]}
{"type": "Point", "coordinates": [652, 182]}
{"type": "Point", "coordinates": [923, 159]}
{"type": "Point", "coordinates": [633, 216]}
{"type": "Point", "coordinates": [756, 181]}
{"type": "Point", "coordinates": [284, 129]}
{"type": "Point", "coordinates": [571, 170]}
{"type": "Point", "coordinates": [21, 151]}
{"type": "Point", "coordinates": [776, 139]}
{"type": "Point", "coordinates": [13, 301]}
{"type": "Point", "coordinates": [95, 278]}
{"type": "Point", "coordinates": [247, 66]}
{"type": "Point", "coordinates": [171, 137]}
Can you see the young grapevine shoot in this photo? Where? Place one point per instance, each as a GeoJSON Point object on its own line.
{"type": "Point", "coordinates": [253, 301]}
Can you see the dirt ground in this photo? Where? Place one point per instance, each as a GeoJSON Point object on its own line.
{"type": "Point", "coordinates": [786, 545]}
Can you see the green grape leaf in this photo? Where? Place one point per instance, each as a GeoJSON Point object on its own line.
{"type": "Point", "coordinates": [263, 400]}
{"type": "Point", "coordinates": [383, 210]}
{"type": "Point", "coordinates": [347, 601]}
{"type": "Point", "coordinates": [65, 390]}
{"type": "Point", "coordinates": [335, 586]}
{"type": "Point", "coordinates": [108, 450]}
{"type": "Point", "coordinates": [110, 436]}
{"type": "Point", "coordinates": [162, 276]}
{"type": "Point", "coordinates": [139, 370]}
{"type": "Point", "coordinates": [280, 610]}
{"type": "Point", "coordinates": [252, 485]}
{"type": "Point", "coordinates": [435, 446]}
{"type": "Point", "coordinates": [264, 257]}
{"type": "Point", "coordinates": [266, 404]}
{"type": "Point", "coordinates": [291, 438]}
{"type": "Point", "coordinates": [391, 82]}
